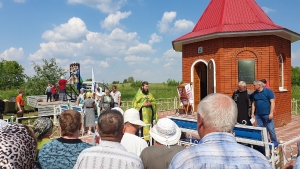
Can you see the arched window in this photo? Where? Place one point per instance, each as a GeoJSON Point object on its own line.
{"type": "Point", "coordinates": [281, 72]}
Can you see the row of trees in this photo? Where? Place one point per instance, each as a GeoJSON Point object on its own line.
{"type": "Point", "coordinates": [12, 76]}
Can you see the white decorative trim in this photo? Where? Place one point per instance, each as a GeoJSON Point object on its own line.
{"type": "Point", "coordinates": [192, 76]}
{"type": "Point", "coordinates": [281, 89]}
{"type": "Point", "coordinates": [283, 33]}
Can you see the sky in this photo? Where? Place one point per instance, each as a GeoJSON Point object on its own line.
{"type": "Point", "coordinates": [115, 38]}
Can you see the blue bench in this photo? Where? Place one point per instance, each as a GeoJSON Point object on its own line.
{"type": "Point", "coordinates": [251, 135]}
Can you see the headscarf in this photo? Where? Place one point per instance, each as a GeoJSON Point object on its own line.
{"type": "Point", "coordinates": [17, 147]}
{"type": "Point", "coordinates": [88, 95]}
{"type": "Point", "coordinates": [41, 127]}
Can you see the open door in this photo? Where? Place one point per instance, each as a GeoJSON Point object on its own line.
{"type": "Point", "coordinates": [211, 77]}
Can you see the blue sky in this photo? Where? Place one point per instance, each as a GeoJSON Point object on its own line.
{"type": "Point", "coordinates": [117, 38]}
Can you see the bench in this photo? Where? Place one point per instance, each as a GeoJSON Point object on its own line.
{"type": "Point", "coordinates": [251, 135]}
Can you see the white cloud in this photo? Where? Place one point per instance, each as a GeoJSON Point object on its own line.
{"type": "Point", "coordinates": [183, 25]}
{"type": "Point", "coordinates": [164, 24]}
{"type": "Point", "coordinates": [132, 59]}
{"type": "Point", "coordinates": [296, 58]}
{"type": "Point", "coordinates": [113, 20]}
{"type": "Point", "coordinates": [267, 10]}
{"type": "Point", "coordinates": [168, 65]}
{"type": "Point", "coordinates": [171, 57]}
{"type": "Point", "coordinates": [104, 64]}
{"type": "Point", "coordinates": [74, 30]}
{"type": "Point", "coordinates": [114, 59]}
{"type": "Point", "coordinates": [155, 39]}
{"type": "Point", "coordinates": [13, 54]}
{"type": "Point", "coordinates": [142, 49]}
{"type": "Point", "coordinates": [140, 74]}
{"type": "Point", "coordinates": [105, 6]}
{"type": "Point", "coordinates": [20, 1]}
{"type": "Point", "coordinates": [95, 44]}
{"type": "Point", "coordinates": [156, 60]}
{"type": "Point", "coordinates": [104, 50]}
{"type": "Point", "coordinates": [1, 4]}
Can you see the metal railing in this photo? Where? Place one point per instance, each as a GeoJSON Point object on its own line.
{"type": "Point", "coordinates": [295, 106]}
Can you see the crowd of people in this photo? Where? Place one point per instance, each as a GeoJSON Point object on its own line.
{"type": "Point", "coordinates": [122, 146]}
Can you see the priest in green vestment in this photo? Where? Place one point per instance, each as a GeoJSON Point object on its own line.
{"type": "Point", "coordinates": [145, 103]}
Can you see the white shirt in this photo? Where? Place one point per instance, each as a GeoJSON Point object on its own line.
{"type": "Point", "coordinates": [108, 155]}
{"type": "Point", "coordinates": [133, 143]}
{"type": "Point", "coordinates": [116, 96]}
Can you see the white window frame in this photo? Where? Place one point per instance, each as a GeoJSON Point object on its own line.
{"type": "Point", "coordinates": [281, 62]}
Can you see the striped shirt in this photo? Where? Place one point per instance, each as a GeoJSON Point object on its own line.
{"type": "Point", "coordinates": [219, 150]}
{"type": "Point", "coordinates": [108, 155]}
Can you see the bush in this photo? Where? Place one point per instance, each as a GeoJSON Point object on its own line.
{"type": "Point", "coordinates": [136, 84]}
{"type": "Point", "coordinates": [172, 82]}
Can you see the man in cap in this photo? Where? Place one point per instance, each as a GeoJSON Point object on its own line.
{"type": "Point", "coordinates": [166, 134]}
{"type": "Point", "coordinates": [216, 118]}
{"type": "Point", "coordinates": [132, 123]}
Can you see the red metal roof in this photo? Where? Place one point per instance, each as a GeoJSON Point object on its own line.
{"type": "Point", "coordinates": [231, 16]}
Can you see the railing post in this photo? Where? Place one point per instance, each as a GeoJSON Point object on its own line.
{"type": "Point", "coordinates": [296, 101]}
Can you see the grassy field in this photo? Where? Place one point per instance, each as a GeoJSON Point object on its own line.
{"type": "Point", "coordinates": [158, 90]}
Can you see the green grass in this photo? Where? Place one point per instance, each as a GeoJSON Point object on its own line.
{"type": "Point", "coordinates": [158, 90]}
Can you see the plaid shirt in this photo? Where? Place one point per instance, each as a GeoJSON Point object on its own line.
{"type": "Point", "coordinates": [219, 150]}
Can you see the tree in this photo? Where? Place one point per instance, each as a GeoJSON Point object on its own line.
{"type": "Point", "coordinates": [296, 76]}
{"type": "Point", "coordinates": [130, 80]}
{"type": "Point", "coordinates": [49, 72]}
{"type": "Point", "coordinates": [89, 79]}
{"type": "Point", "coordinates": [125, 81]}
{"type": "Point", "coordinates": [11, 75]}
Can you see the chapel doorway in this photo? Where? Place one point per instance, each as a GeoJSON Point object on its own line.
{"type": "Point", "coordinates": [200, 82]}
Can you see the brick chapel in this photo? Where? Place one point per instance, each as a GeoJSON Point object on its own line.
{"type": "Point", "coordinates": [235, 40]}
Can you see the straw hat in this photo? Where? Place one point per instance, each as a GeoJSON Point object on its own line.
{"type": "Point", "coordinates": [133, 116]}
{"type": "Point", "coordinates": [166, 132]}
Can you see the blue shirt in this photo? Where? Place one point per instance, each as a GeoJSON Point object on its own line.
{"type": "Point", "coordinates": [262, 101]}
{"type": "Point", "coordinates": [219, 150]}
{"type": "Point", "coordinates": [297, 164]}
{"type": "Point", "coordinates": [61, 153]}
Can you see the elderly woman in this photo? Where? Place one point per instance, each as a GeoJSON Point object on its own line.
{"type": "Point", "coordinates": [42, 128]}
{"type": "Point", "coordinates": [17, 147]}
{"type": "Point", "coordinates": [89, 106]}
{"type": "Point", "coordinates": [107, 102]}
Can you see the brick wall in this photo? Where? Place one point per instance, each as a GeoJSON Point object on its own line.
{"type": "Point", "coordinates": [226, 52]}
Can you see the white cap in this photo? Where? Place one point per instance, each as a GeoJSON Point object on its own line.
{"type": "Point", "coordinates": [133, 116]}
